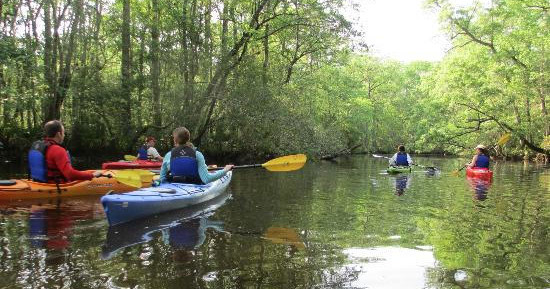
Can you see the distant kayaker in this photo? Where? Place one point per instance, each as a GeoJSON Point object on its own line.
{"type": "Point", "coordinates": [184, 164]}
{"type": "Point", "coordinates": [148, 151]}
{"type": "Point", "coordinates": [49, 161]}
{"type": "Point", "coordinates": [481, 158]}
{"type": "Point", "coordinates": [401, 158]}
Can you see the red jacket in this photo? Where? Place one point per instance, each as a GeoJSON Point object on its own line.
{"type": "Point", "coordinates": [58, 163]}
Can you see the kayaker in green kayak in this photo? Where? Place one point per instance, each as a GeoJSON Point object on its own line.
{"type": "Point", "coordinates": [401, 158]}
{"type": "Point", "coordinates": [185, 164]}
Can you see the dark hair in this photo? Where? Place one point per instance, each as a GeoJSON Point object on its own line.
{"type": "Point", "coordinates": [484, 151]}
{"type": "Point", "coordinates": [182, 136]}
{"type": "Point", "coordinates": [52, 127]}
{"type": "Point", "coordinates": [401, 148]}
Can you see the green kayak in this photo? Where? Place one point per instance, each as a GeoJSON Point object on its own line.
{"type": "Point", "coordinates": [398, 169]}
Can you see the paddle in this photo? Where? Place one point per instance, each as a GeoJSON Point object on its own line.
{"type": "Point", "coordinates": [421, 166]}
{"type": "Point", "coordinates": [133, 178]}
{"type": "Point", "coordinates": [280, 164]}
{"type": "Point", "coordinates": [130, 158]}
{"type": "Point", "coordinates": [501, 141]}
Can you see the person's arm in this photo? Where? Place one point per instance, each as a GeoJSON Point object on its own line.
{"type": "Point", "coordinates": [409, 160]}
{"type": "Point", "coordinates": [393, 159]}
{"type": "Point", "coordinates": [207, 177]}
{"type": "Point", "coordinates": [165, 168]}
{"type": "Point", "coordinates": [473, 163]}
{"type": "Point", "coordinates": [61, 160]}
{"type": "Point", "coordinates": [154, 153]}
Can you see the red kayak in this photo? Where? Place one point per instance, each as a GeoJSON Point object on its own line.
{"type": "Point", "coordinates": [479, 173]}
{"type": "Point", "coordinates": [137, 164]}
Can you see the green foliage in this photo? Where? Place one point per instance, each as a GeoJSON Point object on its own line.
{"type": "Point", "coordinates": [260, 78]}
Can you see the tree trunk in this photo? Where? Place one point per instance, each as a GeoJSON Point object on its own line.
{"type": "Point", "coordinates": [266, 56]}
{"type": "Point", "coordinates": [125, 69]}
{"type": "Point", "coordinates": [48, 63]}
{"type": "Point", "coordinates": [155, 63]}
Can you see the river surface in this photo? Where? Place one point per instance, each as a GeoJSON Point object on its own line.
{"type": "Point", "coordinates": [343, 224]}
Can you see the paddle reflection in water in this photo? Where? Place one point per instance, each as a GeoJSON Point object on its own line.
{"type": "Point", "coordinates": [183, 229]}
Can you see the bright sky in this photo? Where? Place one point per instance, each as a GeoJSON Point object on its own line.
{"type": "Point", "coordinates": [402, 30]}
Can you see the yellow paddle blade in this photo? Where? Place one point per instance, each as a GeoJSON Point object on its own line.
{"type": "Point", "coordinates": [504, 139]}
{"type": "Point", "coordinates": [286, 163]}
{"type": "Point", "coordinates": [284, 236]}
{"type": "Point", "coordinates": [130, 158]}
{"type": "Point", "coordinates": [146, 176]}
{"type": "Point", "coordinates": [128, 177]}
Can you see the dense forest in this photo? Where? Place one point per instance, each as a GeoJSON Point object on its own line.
{"type": "Point", "coordinates": [269, 77]}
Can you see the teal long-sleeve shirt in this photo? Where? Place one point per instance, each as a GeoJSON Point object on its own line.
{"type": "Point", "coordinates": [205, 176]}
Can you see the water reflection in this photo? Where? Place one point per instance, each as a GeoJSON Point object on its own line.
{"type": "Point", "coordinates": [51, 222]}
{"type": "Point", "coordinates": [325, 226]}
{"type": "Point", "coordinates": [401, 183]}
{"type": "Point", "coordinates": [184, 229]}
{"type": "Point", "coordinates": [480, 188]}
{"type": "Point", "coordinates": [389, 267]}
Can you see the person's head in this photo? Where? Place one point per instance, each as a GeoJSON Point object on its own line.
{"type": "Point", "coordinates": [481, 149]}
{"type": "Point", "coordinates": [401, 148]}
{"type": "Point", "coordinates": [150, 141]}
{"type": "Point", "coordinates": [181, 136]}
{"type": "Point", "coordinates": [54, 129]}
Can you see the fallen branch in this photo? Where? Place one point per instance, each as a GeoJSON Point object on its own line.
{"type": "Point", "coordinates": [345, 151]}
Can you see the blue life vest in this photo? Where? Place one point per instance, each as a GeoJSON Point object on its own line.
{"type": "Point", "coordinates": [401, 159]}
{"type": "Point", "coordinates": [142, 153]}
{"type": "Point", "coordinates": [38, 168]}
{"type": "Point", "coordinates": [37, 161]}
{"type": "Point", "coordinates": [183, 166]}
{"type": "Point", "coordinates": [482, 161]}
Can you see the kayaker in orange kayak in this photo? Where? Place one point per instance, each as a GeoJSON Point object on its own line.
{"type": "Point", "coordinates": [481, 158]}
{"type": "Point", "coordinates": [148, 151]}
{"type": "Point", "coordinates": [184, 164]}
{"type": "Point", "coordinates": [49, 161]}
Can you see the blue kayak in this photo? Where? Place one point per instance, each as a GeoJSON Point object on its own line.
{"type": "Point", "coordinates": [121, 208]}
{"type": "Point", "coordinates": [141, 231]}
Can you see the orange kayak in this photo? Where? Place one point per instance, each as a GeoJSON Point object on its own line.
{"type": "Point", "coordinates": [26, 189]}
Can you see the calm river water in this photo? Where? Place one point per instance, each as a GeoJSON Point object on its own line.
{"type": "Point", "coordinates": [345, 224]}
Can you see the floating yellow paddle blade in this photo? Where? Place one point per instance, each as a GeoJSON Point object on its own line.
{"type": "Point", "coordinates": [130, 158]}
{"type": "Point", "coordinates": [129, 177]}
{"type": "Point", "coordinates": [286, 163]}
{"type": "Point", "coordinates": [284, 236]}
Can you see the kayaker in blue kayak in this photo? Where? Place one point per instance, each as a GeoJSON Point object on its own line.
{"type": "Point", "coordinates": [481, 158]}
{"type": "Point", "coordinates": [401, 158]}
{"type": "Point", "coordinates": [184, 164]}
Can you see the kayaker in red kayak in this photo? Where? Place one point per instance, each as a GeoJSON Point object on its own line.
{"type": "Point", "coordinates": [49, 161]}
{"type": "Point", "coordinates": [481, 158]}
{"type": "Point", "coordinates": [185, 164]}
{"type": "Point", "coordinates": [148, 151]}
{"type": "Point", "coordinates": [401, 158]}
